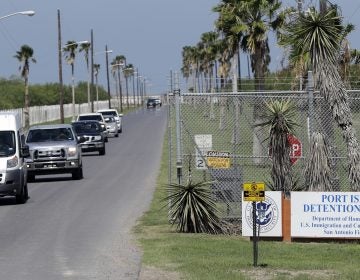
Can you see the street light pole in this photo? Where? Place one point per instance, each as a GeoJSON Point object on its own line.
{"type": "Point", "coordinates": [24, 13]}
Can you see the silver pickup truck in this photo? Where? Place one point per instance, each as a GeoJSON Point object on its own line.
{"type": "Point", "coordinates": [54, 149]}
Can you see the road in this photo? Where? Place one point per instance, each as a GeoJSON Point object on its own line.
{"type": "Point", "coordinates": [81, 229]}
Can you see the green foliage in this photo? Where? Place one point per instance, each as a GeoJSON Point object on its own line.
{"type": "Point", "coordinates": [12, 93]}
{"type": "Point", "coordinates": [193, 208]}
{"type": "Point", "coordinates": [279, 117]}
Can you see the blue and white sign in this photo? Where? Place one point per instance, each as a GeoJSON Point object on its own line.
{"type": "Point", "coordinates": [268, 216]}
{"type": "Point", "coordinates": [325, 214]}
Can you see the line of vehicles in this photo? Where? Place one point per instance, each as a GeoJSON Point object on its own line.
{"type": "Point", "coordinates": [50, 149]}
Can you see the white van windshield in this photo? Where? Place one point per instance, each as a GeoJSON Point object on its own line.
{"type": "Point", "coordinates": [7, 143]}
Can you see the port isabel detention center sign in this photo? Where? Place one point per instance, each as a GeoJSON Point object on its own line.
{"type": "Point", "coordinates": [325, 214]}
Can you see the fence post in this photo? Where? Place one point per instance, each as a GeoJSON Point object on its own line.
{"type": "Point", "coordinates": [178, 130]}
{"type": "Point", "coordinates": [310, 91]}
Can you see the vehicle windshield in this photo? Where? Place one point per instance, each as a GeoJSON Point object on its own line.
{"type": "Point", "coordinates": [109, 119]}
{"type": "Point", "coordinates": [91, 117]}
{"type": "Point", "coordinates": [49, 135]}
{"type": "Point", "coordinates": [83, 128]}
{"type": "Point", "coordinates": [7, 143]}
{"type": "Point", "coordinates": [109, 113]}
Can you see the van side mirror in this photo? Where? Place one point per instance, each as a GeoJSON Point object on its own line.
{"type": "Point", "coordinates": [24, 151]}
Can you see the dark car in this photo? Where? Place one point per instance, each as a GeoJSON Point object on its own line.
{"type": "Point", "coordinates": [153, 102]}
{"type": "Point", "coordinates": [94, 136]}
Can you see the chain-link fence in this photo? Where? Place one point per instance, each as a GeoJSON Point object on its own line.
{"type": "Point", "coordinates": [224, 123]}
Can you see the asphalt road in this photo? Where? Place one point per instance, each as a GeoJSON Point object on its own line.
{"type": "Point", "coordinates": [81, 229]}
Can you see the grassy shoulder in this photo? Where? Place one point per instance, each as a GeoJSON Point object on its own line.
{"type": "Point", "coordinates": [201, 256]}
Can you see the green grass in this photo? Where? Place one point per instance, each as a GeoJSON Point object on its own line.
{"type": "Point", "coordinates": [200, 256]}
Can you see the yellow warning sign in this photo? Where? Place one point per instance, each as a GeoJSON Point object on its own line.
{"type": "Point", "coordinates": [254, 191]}
{"type": "Point", "coordinates": [218, 160]}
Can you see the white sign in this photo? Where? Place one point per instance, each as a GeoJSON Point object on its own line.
{"type": "Point", "coordinates": [204, 144]}
{"type": "Point", "coordinates": [268, 215]}
{"type": "Point", "coordinates": [203, 140]}
{"type": "Point", "coordinates": [325, 214]}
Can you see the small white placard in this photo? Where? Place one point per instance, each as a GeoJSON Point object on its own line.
{"type": "Point", "coordinates": [268, 214]}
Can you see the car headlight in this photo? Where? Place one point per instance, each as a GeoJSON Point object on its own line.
{"type": "Point", "coordinates": [97, 138]}
{"type": "Point", "coordinates": [13, 162]}
{"type": "Point", "coordinates": [72, 151]}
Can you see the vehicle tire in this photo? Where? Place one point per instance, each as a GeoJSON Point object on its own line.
{"type": "Point", "coordinates": [102, 151]}
{"type": "Point", "coordinates": [106, 139]}
{"type": "Point", "coordinates": [22, 197]}
{"type": "Point", "coordinates": [120, 131]}
{"type": "Point", "coordinates": [117, 135]}
{"type": "Point", "coordinates": [77, 174]}
{"type": "Point", "coordinates": [31, 177]}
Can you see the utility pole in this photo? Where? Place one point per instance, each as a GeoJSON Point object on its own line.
{"type": "Point", "coordinates": [107, 75]}
{"type": "Point", "coordinates": [61, 87]}
{"type": "Point", "coordinates": [92, 71]}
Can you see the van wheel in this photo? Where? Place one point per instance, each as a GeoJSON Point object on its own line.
{"type": "Point", "coordinates": [30, 177]}
{"type": "Point", "coordinates": [102, 151]}
{"type": "Point", "coordinates": [77, 174]}
{"type": "Point", "coordinates": [22, 197]}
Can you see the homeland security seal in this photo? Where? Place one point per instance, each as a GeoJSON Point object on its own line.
{"type": "Point", "coordinates": [267, 214]}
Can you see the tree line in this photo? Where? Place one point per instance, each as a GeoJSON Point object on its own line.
{"type": "Point", "coordinates": [12, 93]}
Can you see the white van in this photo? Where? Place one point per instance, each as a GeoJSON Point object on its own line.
{"type": "Point", "coordinates": [13, 170]}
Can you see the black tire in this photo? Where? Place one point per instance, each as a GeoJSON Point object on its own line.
{"type": "Point", "coordinates": [22, 197]}
{"type": "Point", "coordinates": [31, 177]}
{"type": "Point", "coordinates": [117, 135]}
{"type": "Point", "coordinates": [106, 139]}
{"type": "Point", "coordinates": [120, 131]}
{"type": "Point", "coordinates": [77, 174]}
{"type": "Point", "coordinates": [102, 151]}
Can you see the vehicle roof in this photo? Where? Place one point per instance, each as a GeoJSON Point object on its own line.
{"type": "Point", "coordinates": [106, 110]}
{"type": "Point", "coordinates": [90, 114]}
{"type": "Point", "coordinates": [85, 121]}
{"type": "Point", "coordinates": [50, 126]}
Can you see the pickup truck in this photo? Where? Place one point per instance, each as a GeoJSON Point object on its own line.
{"type": "Point", "coordinates": [54, 149]}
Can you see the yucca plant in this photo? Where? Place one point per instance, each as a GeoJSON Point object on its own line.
{"type": "Point", "coordinates": [279, 117]}
{"type": "Point", "coordinates": [318, 170]}
{"type": "Point", "coordinates": [192, 208]}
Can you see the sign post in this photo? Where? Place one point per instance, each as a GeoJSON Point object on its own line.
{"type": "Point", "coordinates": [254, 192]}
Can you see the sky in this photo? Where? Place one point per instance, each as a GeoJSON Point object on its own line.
{"type": "Point", "coordinates": [149, 33]}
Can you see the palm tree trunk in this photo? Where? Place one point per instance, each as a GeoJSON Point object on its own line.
{"type": "Point", "coordinates": [27, 103]}
{"type": "Point", "coordinates": [259, 150]}
{"type": "Point", "coordinates": [73, 91]}
{"type": "Point", "coordinates": [333, 89]}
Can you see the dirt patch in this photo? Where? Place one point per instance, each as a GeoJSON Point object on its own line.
{"type": "Point", "coordinates": [153, 273]}
{"type": "Point", "coordinates": [267, 274]}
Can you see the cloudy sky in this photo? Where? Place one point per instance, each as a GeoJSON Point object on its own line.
{"type": "Point", "coordinates": [150, 33]}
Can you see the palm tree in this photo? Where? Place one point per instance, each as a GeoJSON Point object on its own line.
{"type": "Point", "coordinates": [319, 35]}
{"type": "Point", "coordinates": [96, 73]}
{"type": "Point", "coordinates": [114, 71]}
{"type": "Point", "coordinates": [248, 23]}
{"type": "Point", "coordinates": [70, 54]}
{"type": "Point", "coordinates": [85, 47]}
{"type": "Point", "coordinates": [128, 72]}
{"type": "Point", "coordinates": [24, 56]}
{"type": "Point", "coordinates": [119, 61]}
